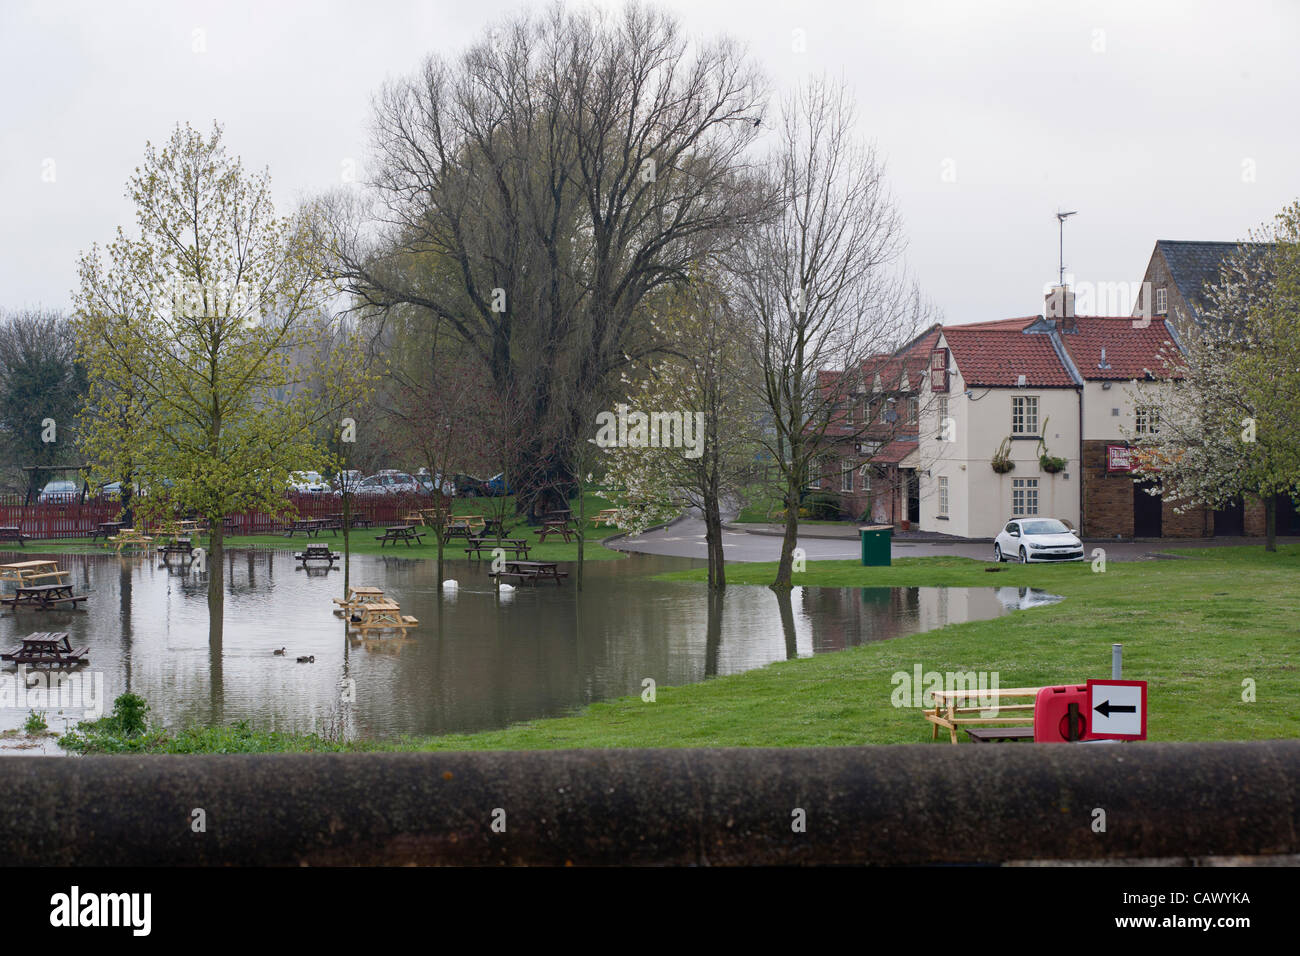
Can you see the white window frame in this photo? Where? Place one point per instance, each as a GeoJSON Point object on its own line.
{"type": "Point", "coordinates": [864, 476]}
{"type": "Point", "coordinates": [944, 414]}
{"type": "Point", "coordinates": [1024, 490]}
{"type": "Point", "coordinates": [846, 478]}
{"type": "Point", "coordinates": [1146, 420]}
{"type": "Point", "coordinates": [1021, 418]}
{"type": "Point", "coordinates": [943, 496]}
{"type": "Point", "coordinates": [1162, 300]}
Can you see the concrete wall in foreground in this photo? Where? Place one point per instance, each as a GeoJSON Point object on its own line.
{"type": "Point", "coordinates": [878, 805]}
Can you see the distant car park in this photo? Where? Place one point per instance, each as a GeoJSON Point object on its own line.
{"type": "Point", "coordinates": [496, 486]}
{"type": "Point", "coordinates": [308, 483]}
{"type": "Point", "coordinates": [62, 491]}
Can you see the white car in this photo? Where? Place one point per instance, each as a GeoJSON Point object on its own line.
{"type": "Point", "coordinates": [308, 483]}
{"type": "Point", "coordinates": [1037, 539]}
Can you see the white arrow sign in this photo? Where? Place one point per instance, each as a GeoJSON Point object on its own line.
{"type": "Point", "coordinates": [1117, 709]}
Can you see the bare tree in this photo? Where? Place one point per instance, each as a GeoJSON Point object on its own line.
{"type": "Point", "coordinates": [821, 283]}
{"type": "Point", "coordinates": [566, 166]}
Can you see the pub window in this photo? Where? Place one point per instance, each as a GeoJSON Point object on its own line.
{"type": "Point", "coordinates": [846, 479]}
{"type": "Point", "coordinates": [1024, 496]}
{"type": "Point", "coordinates": [1162, 301]}
{"type": "Point", "coordinates": [1147, 420]}
{"type": "Point", "coordinates": [1024, 415]}
{"type": "Point", "coordinates": [943, 496]}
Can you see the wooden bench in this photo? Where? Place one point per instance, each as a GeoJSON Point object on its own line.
{"type": "Point", "coordinates": [400, 533]}
{"type": "Point", "coordinates": [518, 547]}
{"type": "Point", "coordinates": [950, 705]}
{"type": "Point", "coordinates": [179, 545]}
{"type": "Point", "coordinates": [13, 534]}
{"type": "Point", "coordinates": [46, 649]}
{"type": "Point", "coordinates": [531, 571]}
{"type": "Point", "coordinates": [607, 517]}
{"type": "Point", "coordinates": [317, 552]}
{"type": "Point", "coordinates": [308, 526]}
{"type": "Point", "coordinates": [42, 596]}
{"type": "Point", "coordinates": [129, 538]}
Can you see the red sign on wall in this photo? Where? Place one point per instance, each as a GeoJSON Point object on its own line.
{"type": "Point", "coordinates": [1119, 458]}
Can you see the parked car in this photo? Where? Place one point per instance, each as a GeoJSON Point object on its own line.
{"type": "Point", "coordinates": [308, 483]}
{"type": "Point", "coordinates": [496, 486]}
{"type": "Point", "coordinates": [467, 486]}
{"type": "Point", "coordinates": [428, 482]}
{"type": "Point", "coordinates": [385, 483]}
{"type": "Point", "coordinates": [58, 491]}
{"type": "Point", "coordinates": [347, 480]}
{"type": "Point", "coordinates": [1037, 539]}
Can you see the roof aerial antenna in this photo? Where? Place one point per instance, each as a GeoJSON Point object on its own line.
{"type": "Point", "coordinates": [1060, 218]}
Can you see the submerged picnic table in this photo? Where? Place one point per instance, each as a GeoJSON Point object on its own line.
{"type": "Point", "coordinates": [381, 616]}
{"type": "Point", "coordinates": [317, 552]}
{"type": "Point", "coordinates": [531, 571]}
{"type": "Point", "coordinates": [25, 572]}
{"type": "Point", "coordinates": [42, 596]}
{"type": "Point", "coordinates": [46, 649]}
{"type": "Point", "coordinates": [105, 529]}
{"type": "Point", "coordinates": [516, 546]}
{"type": "Point", "coordinates": [358, 596]}
{"type": "Point", "coordinates": [130, 538]}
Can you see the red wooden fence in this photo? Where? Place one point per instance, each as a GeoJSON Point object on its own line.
{"type": "Point", "coordinates": [77, 519]}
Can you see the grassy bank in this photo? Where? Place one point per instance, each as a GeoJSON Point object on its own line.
{"type": "Point", "coordinates": [1194, 628]}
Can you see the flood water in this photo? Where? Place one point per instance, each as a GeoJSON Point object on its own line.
{"type": "Point", "coordinates": [477, 661]}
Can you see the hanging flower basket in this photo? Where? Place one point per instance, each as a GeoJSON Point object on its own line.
{"type": "Point", "coordinates": [1002, 465]}
{"type": "Point", "coordinates": [1052, 465]}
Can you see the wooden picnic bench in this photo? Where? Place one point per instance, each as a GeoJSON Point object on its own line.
{"type": "Point", "coordinates": [311, 527]}
{"type": "Point", "coordinates": [558, 526]}
{"type": "Point", "coordinates": [358, 520]}
{"type": "Point", "coordinates": [516, 546]}
{"type": "Point", "coordinates": [317, 552]}
{"type": "Point", "coordinates": [25, 572]}
{"type": "Point", "coordinates": [380, 616]}
{"type": "Point", "coordinates": [130, 538]}
{"type": "Point", "coordinates": [47, 649]}
{"type": "Point", "coordinates": [407, 533]}
{"type": "Point", "coordinates": [181, 544]}
{"type": "Point", "coordinates": [13, 534]}
{"type": "Point", "coordinates": [358, 595]}
{"type": "Point", "coordinates": [608, 516]}
{"type": "Point", "coordinates": [951, 704]}
{"type": "Point", "coordinates": [531, 571]}
{"type": "Point", "coordinates": [42, 596]}
{"type": "Point", "coordinates": [106, 529]}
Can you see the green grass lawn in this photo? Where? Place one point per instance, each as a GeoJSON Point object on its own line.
{"type": "Point", "coordinates": [1195, 629]}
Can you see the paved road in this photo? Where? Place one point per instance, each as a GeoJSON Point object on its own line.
{"type": "Point", "coordinates": [685, 539]}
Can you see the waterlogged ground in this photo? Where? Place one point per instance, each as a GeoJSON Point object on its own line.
{"type": "Point", "coordinates": [479, 659]}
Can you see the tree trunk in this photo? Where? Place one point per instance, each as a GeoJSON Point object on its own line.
{"type": "Point", "coordinates": [1270, 523]}
{"type": "Point", "coordinates": [791, 536]}
{"type": "Point", "coordinates": [216, 584]}
{"type": "Point", "coordinates": [713, 540]}
{"type": "Point", "coordinates": [786, 611]}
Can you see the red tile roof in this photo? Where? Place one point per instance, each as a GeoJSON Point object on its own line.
{"type": "Point", "coordinates": [1005, 324]}
{"type": "Point", "coordinates": [998, 356]}
{"type": "Point", "coordinates": [1130, 352]}
{"type": "Point", "coordinates": [894, 452]}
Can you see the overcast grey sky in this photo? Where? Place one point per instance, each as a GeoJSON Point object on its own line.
{"type": "Point", "coordinates": [1155, 120]}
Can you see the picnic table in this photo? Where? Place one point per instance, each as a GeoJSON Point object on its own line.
{"type": "Point", "coordinates": [317, 552]}
{"type": "Point", "coordinates": [42, 596]}
{"type": "Point", "coordinates": [358, 595]}
{"type": "Point", "coordinates": [608, 517]}
{"type": "Point", "coordinates": [358, 520]}
{"type": "Point", "coordinates": [558, 526]}
{"type": "Point", "coordinates": [13, 534]}
{"type": "Point", "coordinates": [403, 532]}
{"type": "Point", "coordinates": [381, 616]}
{"type": "Point", "coordinates": [46, 649]}
{"type": "Point", "coordinates": [105, 529]}
{"type": "Point", "coordinates": [25, 572]}
{"type": "Point", "coordinates": [181, 544]}
{"type": "Point", "coordinates": [311, 527]}
{"type": "Point", "coordinates": [517, 546]}
{"type": "Point", "coordinates": [948, 708]}
{"type": "Point", "coordinates": [130, 538]}
{"type": "Point", "coordinates": [531, 571]}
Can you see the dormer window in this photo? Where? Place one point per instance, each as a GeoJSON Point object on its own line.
{"type": "Point", "coordinates": [1162, 301]}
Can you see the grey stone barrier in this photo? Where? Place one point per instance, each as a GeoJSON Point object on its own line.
{"type": "Point", "coordinates": [867, 805]}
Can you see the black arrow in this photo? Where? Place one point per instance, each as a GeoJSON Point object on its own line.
{"type": "Point", "coordinates": [1106, 708]}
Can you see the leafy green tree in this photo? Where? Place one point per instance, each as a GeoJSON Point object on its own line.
{"type": "Point", "coordinates": [195, 323]}
{"type": "Point", "coordinates": [41, 389]}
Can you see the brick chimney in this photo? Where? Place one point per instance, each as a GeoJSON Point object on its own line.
{"type": "Point", "coordinates": [1060, 306]}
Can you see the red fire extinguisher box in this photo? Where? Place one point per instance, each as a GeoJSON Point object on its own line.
{"type": "Point", "coordinates": [1052, 714]}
